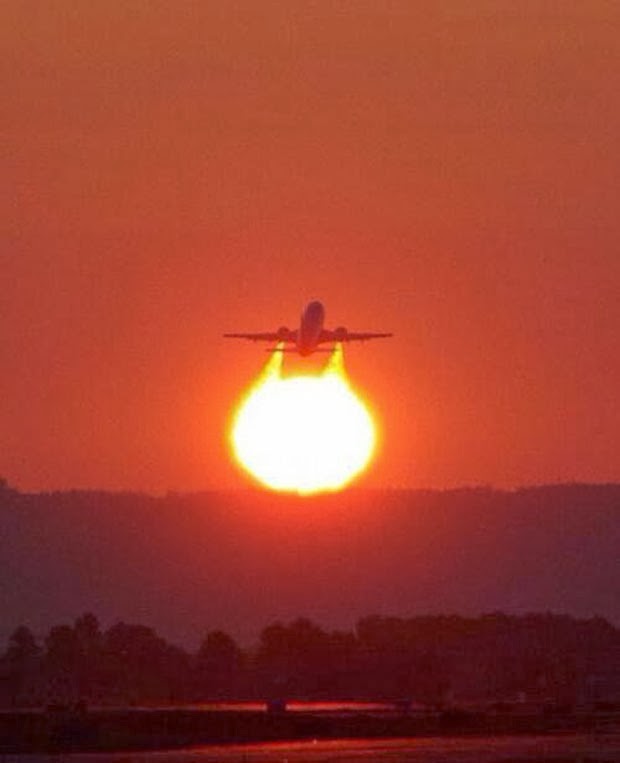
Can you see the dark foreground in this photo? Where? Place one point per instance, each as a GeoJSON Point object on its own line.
{"type": "Point", "coordinates": [109, 731]}
{"type": "Point", "coordinates": [573, 748]}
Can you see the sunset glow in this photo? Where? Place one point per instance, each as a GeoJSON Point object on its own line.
{"type": "Point", "coordinates": [303, 433]}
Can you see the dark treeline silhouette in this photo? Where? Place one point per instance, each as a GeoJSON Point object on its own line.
{"type": "Point", "coordinates": [237, 558]}
{"type": "Point", "coordinates": [432, 660]}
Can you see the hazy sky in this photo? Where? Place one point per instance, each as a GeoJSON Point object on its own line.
{"type": "Point", "coordinates": [446, 170]}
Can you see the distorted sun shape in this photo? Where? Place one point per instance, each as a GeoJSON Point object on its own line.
{"type": "Point", "coordinates": [303, 433]}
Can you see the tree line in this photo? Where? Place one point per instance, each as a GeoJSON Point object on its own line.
{"type": "Point", "coordinates": [427, 659]}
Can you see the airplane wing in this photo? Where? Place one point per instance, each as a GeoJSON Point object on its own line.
{"type": "Point", "coordinates": [360, 336]}
{"type": "Point", "coordinates": [351, 336]}
{"type": "Point", "coordinates": [271, 336]}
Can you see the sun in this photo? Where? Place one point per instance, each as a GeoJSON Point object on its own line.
{"type": "Point", "coordinates": [303, 433]}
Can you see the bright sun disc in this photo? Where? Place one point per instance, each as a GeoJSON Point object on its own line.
{"type": "Point", "coordinates": [305, 433]}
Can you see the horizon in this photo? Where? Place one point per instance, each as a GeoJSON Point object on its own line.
{"type": "Point", "coordinates": [255, 490]}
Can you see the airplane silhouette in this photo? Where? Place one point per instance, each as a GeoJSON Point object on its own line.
{"type": "Point", "coordinates": [310, 333]}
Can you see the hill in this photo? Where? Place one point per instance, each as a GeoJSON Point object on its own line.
{"type": "Point", "coordinates": [188, 563]}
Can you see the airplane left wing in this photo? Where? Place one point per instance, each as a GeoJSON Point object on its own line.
{"type": "Point", "coordinates": [265, 337]}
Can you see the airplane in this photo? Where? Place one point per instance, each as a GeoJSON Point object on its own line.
{"type": "Point", "coordinates": [310, 333]}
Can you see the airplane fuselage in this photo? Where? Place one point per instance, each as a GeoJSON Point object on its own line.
{"type": "Point", "coordinates": [310, 328]}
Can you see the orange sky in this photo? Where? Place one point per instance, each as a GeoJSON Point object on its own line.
{"type": "Point", "coordinates": [446, 170]}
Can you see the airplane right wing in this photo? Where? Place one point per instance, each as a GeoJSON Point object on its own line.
{"type": "Point", "coordinates": [342, 335]}
{"type": "Point", "coordinates": [360, 336]}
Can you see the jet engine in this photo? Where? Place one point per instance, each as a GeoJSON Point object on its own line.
{"type": "Point", "coordinates": [283, 333]}
{"type": "Point", "coordinates": [340, 334]}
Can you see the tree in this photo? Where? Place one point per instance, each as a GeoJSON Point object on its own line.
{"type": "Point", "coordinates": [293, 658]}
{"type": "Point", "coordinates": [88, 659]}
{"type": "Point", "coordinates": [142, 666]}
{"type": "Point", "coordinates": [220, 660]}
{"type": "Point", "coordinates": [61, 648]}
{"type": "Point", "coordinates": [21, 660]}
{"type": "Point", "coordinates": [220, 651]}
{"type": "Point", "coordinates": [61, 659]}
